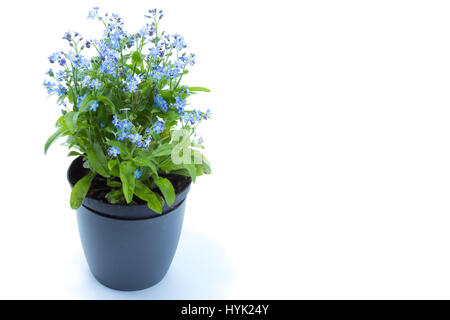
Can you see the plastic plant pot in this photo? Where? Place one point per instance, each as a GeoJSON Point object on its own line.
{"type": "Point", "coordinates": [127, 247]}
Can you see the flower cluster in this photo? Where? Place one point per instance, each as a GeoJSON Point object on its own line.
{"type": "Point", "coordinates": [126, 130]}
{"type": "Point", "coordinates": [123, 96]}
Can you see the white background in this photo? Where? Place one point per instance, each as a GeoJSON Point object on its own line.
{"type": "Point", "coordinates": [329, 144]}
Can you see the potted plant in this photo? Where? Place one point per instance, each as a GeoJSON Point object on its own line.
{"type": "Point", "coordinates": [125, 119]}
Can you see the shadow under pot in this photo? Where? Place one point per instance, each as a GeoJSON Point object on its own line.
{"type": "Point", "coordinates": [129, 247]}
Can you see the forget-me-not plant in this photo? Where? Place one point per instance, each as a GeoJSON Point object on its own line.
{"type": "Point", "coordinates": [123, 103]}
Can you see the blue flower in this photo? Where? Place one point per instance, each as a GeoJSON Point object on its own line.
{"type": "Point", "coordinates": [159, 72]}
{"type": "Point", "coordinates": [108, 67]}
{"type": "Point", "coordinates": [158, 99]}
{"type": "Point", "coordinates": [93, 106]}
{"type": "Point", "coordinates": [146, 142]}
{"type": "Point", "coordinates": [102, 124]}
{"type": "Point", "coordinates": [95, 84]}
{"type": "Point", "coordinates": [161, 103]}
{"type": "Point", "coordinates": [191, 59]}
{"type": "Point", "coordinates": [86, 81]}
{"type": "Point", "coordinates": [93, 13]}
{"type": "Point", "coordinates": [114, 151]}
{"type": "Point", "coordinates": [185, 90]}
{"type": "Point", "coordinates": [67, 36]}
{"type": "Point", "coordinates": [179, 104]}
{"type": "Point", "coordinates": [54, 57]}
{"type": "Point", "coordinates": [156, 52]}
{"type": "Point", "coordinates": [144, 31]}
{"type": "Point", "coordinates": [61, 90]}
{"type": "Point", "coordinates": [196, 116]}
{"type": "Point", "coordinates": [125, 125]}
{"type": "Point", "coordinates": [122, 136]}
{"type": "Point", "coordinates": [116, 121]}
{"type": "Point", "coordinates": [179, 64]}
{"type": "Point", "coordinates": [107, 54]}
{"type": "Point", "coordinates": [84, 63]}
{"type": "Point", "coordinates": [207, 114]}
{"type": "Point", "coordinates": [137, 173]}
{"type": "Point", "coordinates": [174, 73]}
{"type": "Point", "coordinates": [192, 117]}
{"type": "Point", "coordinates": [131, 84]}
{"type": "Point", "coordinates": [140, 144]}
{"type": "Point", "coordinates": [186, 117]}
{"type": "Point", "coordinates": [178, 42]}
{"type": "Point", "coordinates": [60, 75]}
{"type": "Point", "coordinates": [158, 127]}
{"type": "Point", "coordinates": [135, 138]}
{"type": "Point", "coordinates": [79, 62]}
{"type": "Point", "coordinates": [51, 87]}
{"type": "Point", "coordinates": [71, 55]}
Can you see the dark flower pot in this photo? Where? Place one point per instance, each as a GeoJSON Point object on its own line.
{"type": "Point", "coordinates": [127, 247]}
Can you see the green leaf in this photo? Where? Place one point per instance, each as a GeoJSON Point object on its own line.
{"type": "Point", "coordinates": [101, 156]}
{"type": "Point", "coordinates": [136, 57]}
{"type": "Point", "coordinates": [145, 159]}
{"type": "Point", "coordinates": [206, 166]}
{"type": "Point", "coordinates": [143, 192]}
{"type": "Point", "coordinates": [199, 170]}
{"type": "Point", "coordinates": [163, 150]}
{"type": "Point", "coordinates": [97, 159]}
{"type": "Point", "coordinates": [192, 170]}
{"type": "Point", "coordinates": [74, 153]}
{"type": "Point", "coordinates": [83, 107]}
{"type": "Point", "coordinates": [106, 101]}
{"type": "Point", "coordinates": [128, 181]}
{"type": "Point", "coordinates": [60, 132]}
{"type": "Point", "coordinates": [68, 120]}
{"type": "Point", "coordinates": [80, 190]}
{"type": "Point", "coordinates": [113, 166]}
{"type": "Point", "coordinates": [166, 188]}
{"type": "Point", "coordinates": [115, 196]}
{"type": "Point", "coordinates": [199, 89]}
{"type": "Point", "coordinates": [161, 199]}
{"type": "Point", "coordinates": [113, 184]}
{"type": "Point", "coordinates": [60, 121]}
{"type": "Point", "coordinates": [61, 99]}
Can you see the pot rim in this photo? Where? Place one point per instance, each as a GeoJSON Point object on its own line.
{"type": "Point", "coordinates": [138, 211]}
{"type": "Point", "coordinates": [107, 216]}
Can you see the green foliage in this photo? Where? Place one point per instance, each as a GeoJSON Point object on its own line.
{"type": "Point", "coordinates": [59, 133]}
{"type": "Point", "coordinates": [115, 196]}
{"type": "Point", "coordinates": [97, 159]}
{"type": "Point", "coordinates": [166, 188]}
{"type": "Point", "coordinates": [199, 89]}
{"type": "Point", "coordinates": [144, 193]}
{"type": "Point", "coordinates": [80, 190]}
{"type": "Point", "coordinates": [128, 181]}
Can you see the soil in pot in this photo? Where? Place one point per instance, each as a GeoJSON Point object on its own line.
{"type": "Point", "coordinates": [99, 189]}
